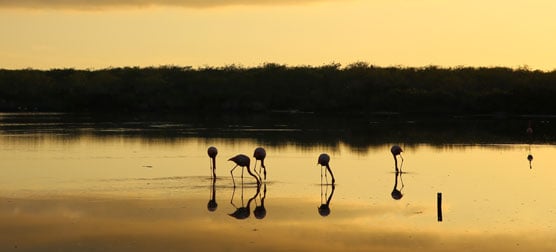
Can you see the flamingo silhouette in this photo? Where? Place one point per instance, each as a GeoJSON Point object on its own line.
{"type": "Point", "coordinates": [212, 152]}
{"type": "Point", "coordinates": [260, 154]}
{"type": "Point", "coordinates": [396, 151]}
{"type": "Point", "coordinates": [243, 161]}
{"type": "Point", "coordinates": [323, 160]}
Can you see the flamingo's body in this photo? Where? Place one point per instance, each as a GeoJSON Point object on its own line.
{"type": "Point", "coordinates": [212, 152]}
{"type": "Point", "coordinates": [396, 151]}
{"type": "Point", "coordinates": [529, 129]}
{"type": "Point", "coordinates": [260, 154]}
{"type": "Point", "coordinates": [324, 160]}
{"type": "Point", "coordinates": [243, 161]}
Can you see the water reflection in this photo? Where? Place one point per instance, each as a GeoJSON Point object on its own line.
{"type": "Point", "coordinates": [325, 198]}
{"type": "Point", "coordinates": [260, 210]}
{"type": "Point", "coordinates": [529, 132]}
{"type": "Point", "coordinates": [530, 158]}
{"type": "Point", "coordinates": [212, 205]}
{"type": "Point", "coordinates": [74, 194]}
{"type": "Point", "coordinates": [397, 193]}
{"type": "Point", "coordinates": [244, 211]}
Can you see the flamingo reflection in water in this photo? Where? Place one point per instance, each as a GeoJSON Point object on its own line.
{"type": "Point", "coordinates": [260, 210]}
{"type": "Point", "coordinates": [212, 152]}
{"type": "Point", "coordinates": [324, 160]}
{"type": "Point", "coordinates": [244, 211]}
{"type": "Point", "coordinates": [260, 154]}
{"type": "Point", "coordinates": [243, 161]}
{"type": "Point", "coordinates": [324, 208]}
{"type": "Point", "coordinates": [212, 205]}
{"type": "Point", "coordinates": [397, 151]}
{"type": "Point", "coordinates": [397, 193]}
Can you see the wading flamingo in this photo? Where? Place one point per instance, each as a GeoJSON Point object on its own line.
{"type": "Point", "coordinates": [243, 161]}
{"type": "Point", "coordinates": [212, 152]}
{"type": "Point", "coordinates": [324, 159]}
{"type": "Point", "coordinates": [260, 154]}
{"type": "Point", "coordinates": [396, 151]}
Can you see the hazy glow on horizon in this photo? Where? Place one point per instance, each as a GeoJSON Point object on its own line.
{"type": "Point", "coordinates": [100, 34]}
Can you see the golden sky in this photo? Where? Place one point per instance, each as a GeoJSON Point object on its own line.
{"type": "Point", "coordinates": [98, 34]}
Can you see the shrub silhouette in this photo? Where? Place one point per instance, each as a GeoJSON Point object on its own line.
{"type": "Point", "coordinates": [358, 88]}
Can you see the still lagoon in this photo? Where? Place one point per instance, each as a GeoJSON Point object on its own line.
{"type": "Point", "coordinates": [78, 183]}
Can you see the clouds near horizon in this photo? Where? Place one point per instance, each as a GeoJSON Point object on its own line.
{"type": "Point", "coordinates": [108, 4]}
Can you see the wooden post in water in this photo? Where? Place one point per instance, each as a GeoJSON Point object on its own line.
{"type": "Point", "coordinates": [439, 206]}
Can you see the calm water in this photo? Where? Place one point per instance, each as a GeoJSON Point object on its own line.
{"type": "Point", "coordinates": [78, 184]}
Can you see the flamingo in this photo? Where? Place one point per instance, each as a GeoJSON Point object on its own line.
{"type": "Point", "coordinates": [529, 129]}
{"type": "Point", "coordinates": [324, 159]}
{"type": "Point", "coordinates": [260, 154]}
{"type": "Point", "coordinates": [529, 132]}
{"type": "Point", "coordinates": [243, 161]}
{"type": "Point", "coordinates": [396, 151]}
{"type": "Point", "coordinates": [212, 152]}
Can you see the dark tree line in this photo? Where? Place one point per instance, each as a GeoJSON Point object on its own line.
{"type": "Point", "coordinates": [356, 89]}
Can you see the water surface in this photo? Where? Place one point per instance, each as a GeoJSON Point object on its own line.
{"type": "Point", "coordinates": [82, 184]}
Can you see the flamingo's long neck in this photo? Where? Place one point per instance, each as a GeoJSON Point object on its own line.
{"type": "Point", "coordinates": [253, 175]}
{"type": "Point", "coordinates": [331, 174]}
{"type": "Point", "coordinates": [214, 166]}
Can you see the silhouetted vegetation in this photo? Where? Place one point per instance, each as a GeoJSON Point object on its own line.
{"type": "Point", "coordinates": [358, 88]}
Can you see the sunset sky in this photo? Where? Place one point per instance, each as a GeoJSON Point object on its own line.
{"type": "Point", "coordinates": [95, 34]}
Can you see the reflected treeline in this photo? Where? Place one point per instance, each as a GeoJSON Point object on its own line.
{"type": "Point", "coordinates": [277, 129]}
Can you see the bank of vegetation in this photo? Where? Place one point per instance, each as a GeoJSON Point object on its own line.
{"type": "Point", "coordinates": [359, 88]}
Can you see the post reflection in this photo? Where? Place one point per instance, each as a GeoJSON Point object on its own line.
{"type": "Point", "coordinates": [244, 211]}
{"type": "Point", "coordinates": [397, 193]}
{"type": "Point", "coordinates": [212, 205]}
{"type": "Point", "coordinates": [325, 198]}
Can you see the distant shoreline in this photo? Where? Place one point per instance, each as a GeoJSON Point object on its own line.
{"type": "Point", "coordinates": [357, 89]}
